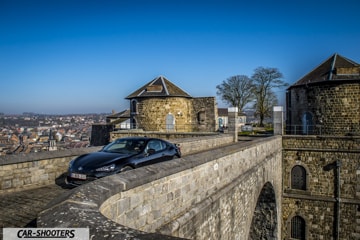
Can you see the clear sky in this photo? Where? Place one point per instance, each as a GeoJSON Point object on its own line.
{"type": "Point", "coordinates": [74, 56]}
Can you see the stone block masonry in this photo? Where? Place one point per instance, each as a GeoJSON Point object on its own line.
{"type": "Point", "coordinates": [317, 203]}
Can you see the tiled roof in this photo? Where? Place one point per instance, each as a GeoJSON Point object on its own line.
{"type": "Point", "coordinates": [123, 114]}
{"type": "Point", "coordinates": [335, 68]}
{"type": "Point", "coordinates": [159, 87]}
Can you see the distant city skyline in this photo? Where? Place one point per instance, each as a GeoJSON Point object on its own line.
{"type": "Point", "coordinates": [69, 57]}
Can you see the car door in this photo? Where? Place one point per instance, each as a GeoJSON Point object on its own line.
{"type": "Point", "coordinates": [155, 152]}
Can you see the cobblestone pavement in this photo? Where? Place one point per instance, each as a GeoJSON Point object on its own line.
{"type": "Point", "coordinates": [20, 209]}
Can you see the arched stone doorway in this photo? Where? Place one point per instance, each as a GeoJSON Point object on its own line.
{"type": "Point", "coordinates": [264, 222]}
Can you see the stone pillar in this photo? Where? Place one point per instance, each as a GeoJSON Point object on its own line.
{"type": "Point", "coordinates": [233, 122]}
{"type": "Point", "coordinates": [278, 120]}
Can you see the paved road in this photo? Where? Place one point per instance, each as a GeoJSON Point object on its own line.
{"type": "Point", "coordinates": [20, 209]}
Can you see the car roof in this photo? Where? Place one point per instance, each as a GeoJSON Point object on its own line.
{"type": "Point", "coordinates": [140, 138]}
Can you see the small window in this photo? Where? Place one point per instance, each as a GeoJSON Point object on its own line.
{"type": "Point", "coordinates": [298, 228]}
{"type": "Point", "coordinates": [134, 106]}
{"type": "Point", "coordinates": [298, 178]}
{"type": "Point", "coordinates": [201, 117]}
{"type": "Point", "coordinates": [156, 145]}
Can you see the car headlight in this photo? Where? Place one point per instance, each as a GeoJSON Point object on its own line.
{"type": "Point", "coordinates": [108, 168]}
{"type": "Point", "coordinates": [71, 163]}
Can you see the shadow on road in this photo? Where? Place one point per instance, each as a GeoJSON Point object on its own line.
{"type": "Point", "coordinates": [60, 181]}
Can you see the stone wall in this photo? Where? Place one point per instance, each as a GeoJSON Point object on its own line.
{"type": "Point", "coordinates": [171, 136]}
{"type": "Point", "coordinates": [317, 204]}
{"type": "Point", "coordinates": [100, 134]}
{"type": "Point", "coordinates": [189, 114]}
{"type": "Point", "coordinates": [25, 171]}
{"type": "Point", "coordinates": [205, 111]}
{"type": "Point", "coordinates": [209, 195]}
{"type": "Point", "coordinates": [333, 108]}
{"type": "Point", "coordinates": [152, 113]}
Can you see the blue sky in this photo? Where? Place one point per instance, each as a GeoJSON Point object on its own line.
{"type": "Point", "coordinates": [74, 56]}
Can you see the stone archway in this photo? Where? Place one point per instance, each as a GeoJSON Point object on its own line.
{"type": "Point", "coordinates": [264, 222]}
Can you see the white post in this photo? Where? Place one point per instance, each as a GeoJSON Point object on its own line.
{"type": "Point", "coordinates": [233, 122]}
{"type": "Point", "coordinates": [278, 120]}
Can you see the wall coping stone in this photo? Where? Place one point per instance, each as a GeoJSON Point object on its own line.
{"type": "Point", "coordinates": [28, 157]}
{"type": "Point", "coordinates": [321, 137]}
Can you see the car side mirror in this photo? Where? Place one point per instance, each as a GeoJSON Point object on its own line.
{"type": "Point", "coordinates": [151, 151]}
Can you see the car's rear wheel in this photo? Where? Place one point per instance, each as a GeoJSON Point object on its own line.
{"type": "Point", "coordinates": [126, 168]}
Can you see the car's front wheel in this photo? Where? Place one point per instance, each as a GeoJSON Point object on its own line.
{"type": "Point", "coordinates": [126, 168]}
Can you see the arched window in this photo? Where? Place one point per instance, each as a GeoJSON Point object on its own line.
{"type": "Point", "coordinates": [201, 117]}
{"type": "Point", "coordinates": [297, 228]}
{"type": "Point", "coordinates": [298, 178]}
{"type": "Point", "coordinates": [133, 106]}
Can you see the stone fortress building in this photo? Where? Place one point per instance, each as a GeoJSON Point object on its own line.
{"type": "Point", "coordinates": [321, 159]}
{"type": "Point", "coordinates": [321, 148]}
{"type": "Point", "coordinates": [326, 100]}
{"type": "Point", "coordinates": [162, 106]}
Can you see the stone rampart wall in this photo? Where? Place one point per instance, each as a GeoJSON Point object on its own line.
{"type": "Point", "coordinates": [25, 171]}
{"type": "Point", "coordinates": [171, 136]}
{"type": "Point", "coordinates": [317, 204]}
{"type": "Point", "coordinates": [208, 195]}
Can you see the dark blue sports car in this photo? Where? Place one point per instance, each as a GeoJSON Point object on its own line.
{"type": "Point", "coordinates": [120, 155]}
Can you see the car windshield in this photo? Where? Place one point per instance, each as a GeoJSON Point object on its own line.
{"type": "Point", "coordinates": [125, 146]}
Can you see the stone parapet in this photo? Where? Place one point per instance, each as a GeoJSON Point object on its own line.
{"type": "Point", "coordinates": [186, 198]}
{"type": "Point", "coordinates": [25, 171]}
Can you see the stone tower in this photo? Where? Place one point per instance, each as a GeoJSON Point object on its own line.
{"type": "Point", "coordinates": [161, 106]}
{"type": "Point", "coordinates": [326, 100]}
{"type": "Point", "coordinates": [321, 157]}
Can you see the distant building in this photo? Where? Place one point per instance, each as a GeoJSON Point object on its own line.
{"type": "Point", "coordinates": [223, 118]}
{"type": "Point", "coordinates": [52, 142]}
{"type": "Point", "coordinates": [120, 120]}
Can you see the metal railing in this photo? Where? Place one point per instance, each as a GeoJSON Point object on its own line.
{"type": "Point", "coordinates": [303, 130]}
{"type": "Point", "coordinates": [164, 127]}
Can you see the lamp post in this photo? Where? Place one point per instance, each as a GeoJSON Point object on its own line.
{"type": "Point", "coordinates": [337, 197]}
{"type": "Point", "coordinates": [336, 167]}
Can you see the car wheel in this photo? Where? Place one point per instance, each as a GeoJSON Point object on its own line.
{"type": "Point", "coordinates": [126, 168]}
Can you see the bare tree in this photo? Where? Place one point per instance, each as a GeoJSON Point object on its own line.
{"type": "Point", "coordinates": [236, 91]}
{"type": "Point", "coordinates": [264, 110]}
{"type": "Point", "coordinates": [265, 79]}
